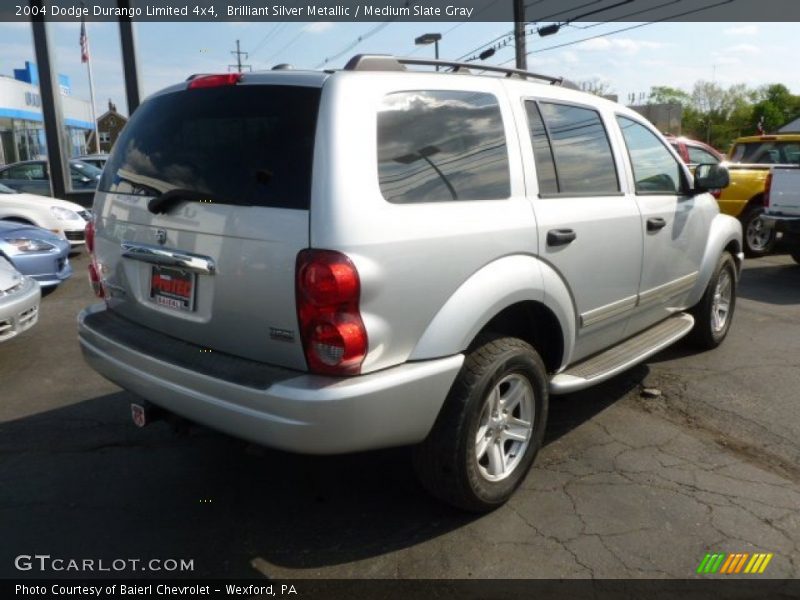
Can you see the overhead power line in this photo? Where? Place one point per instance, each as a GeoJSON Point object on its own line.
{"type": "Point", "coordinates": [362, 38]}
{"type": "Point", "coordinates": [640, 25]}
{"type": "Point", "coordinates": [287, 44]}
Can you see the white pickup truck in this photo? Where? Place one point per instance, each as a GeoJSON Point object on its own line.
{"type": "Point", "coordinates": [782, 199]}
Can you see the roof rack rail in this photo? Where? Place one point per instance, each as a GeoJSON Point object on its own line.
{"type": "Point", "coordinates": [387, 62]}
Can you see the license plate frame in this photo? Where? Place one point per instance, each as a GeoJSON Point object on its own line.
{"type": "Point", "coordinates": [168, 288]}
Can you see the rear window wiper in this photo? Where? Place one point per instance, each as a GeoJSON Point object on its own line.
{"type": "Point", "coordinates": [165, 202]}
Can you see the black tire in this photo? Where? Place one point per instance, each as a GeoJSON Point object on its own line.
{"type": "Point", "coordinates": [447, 461]}
{"type": "Point", "coordinates": [706, 334]}
{"type": "Point", "coordinates": [758, 240]}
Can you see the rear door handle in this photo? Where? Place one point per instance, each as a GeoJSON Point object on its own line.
{"type": "Point", "coordinates": [655, 223]}
{"type": "Point", "coordinates": [560, 237]}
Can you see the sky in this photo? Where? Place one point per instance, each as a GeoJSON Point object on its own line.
{"type": "Point", "coordinates": [631, 61]}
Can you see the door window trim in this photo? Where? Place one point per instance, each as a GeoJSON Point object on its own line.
{"type": "Point", "coordinates": [537, 100]}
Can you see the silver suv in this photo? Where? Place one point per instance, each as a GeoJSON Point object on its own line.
{"type": "Point", "coordinates": [329, 262]}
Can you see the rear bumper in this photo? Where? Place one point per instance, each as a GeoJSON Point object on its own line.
{"type": "Point", "coordinates": [276, 407]}
{"type": "Point", "coordinates": [784, 224]}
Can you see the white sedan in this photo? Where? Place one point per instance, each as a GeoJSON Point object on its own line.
{"type": "Point", "coordinates": [66, 219]}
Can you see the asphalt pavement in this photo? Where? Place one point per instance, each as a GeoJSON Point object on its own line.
{"type": "Point", "coordinates": [626, 485]}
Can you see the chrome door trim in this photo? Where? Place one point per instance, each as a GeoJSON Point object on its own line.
{"type": "Point", "coordinates": [590, 317]}
{"type": "Point", "coordinates": [669, 289]}
{"type": "Point", "coordinates": [158, 255]}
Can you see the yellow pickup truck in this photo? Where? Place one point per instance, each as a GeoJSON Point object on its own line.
{"type": "Point", "coordinates": [750, 161]}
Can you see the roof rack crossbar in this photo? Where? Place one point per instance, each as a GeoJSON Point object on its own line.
{"type": "Point", "coordinates": [383, 62]}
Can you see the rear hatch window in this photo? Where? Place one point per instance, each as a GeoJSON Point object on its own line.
{"type": "Point", "coordinates": [243, 145]}
{"type": "Point", "coordinates": [240, 157]}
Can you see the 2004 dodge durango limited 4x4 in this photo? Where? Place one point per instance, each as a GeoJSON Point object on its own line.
{"type": "Point", "coordinates": [330, 262]}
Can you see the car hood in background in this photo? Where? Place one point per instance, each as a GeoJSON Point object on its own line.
{"type": "Point", "coordinates": [9, 229]}
{"type": "Point", "coordinates": [44, 201]}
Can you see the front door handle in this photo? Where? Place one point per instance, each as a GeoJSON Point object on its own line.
{"type": "Point", "coordinates": [560, 237]}
{"type": "Point", "coordinates": [655, 223]}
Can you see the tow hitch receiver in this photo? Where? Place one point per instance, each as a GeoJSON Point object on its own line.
{"type": "Point", "coordinates": [143, 414]}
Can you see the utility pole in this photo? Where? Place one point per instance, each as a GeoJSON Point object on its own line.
{"type": "Point", "coordinates": [519, 34]}
{"type": "Point", "coordinates": [238, 53]}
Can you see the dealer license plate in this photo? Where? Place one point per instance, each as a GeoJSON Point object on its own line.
{"type": "Point", "coordinates": [172, 288]}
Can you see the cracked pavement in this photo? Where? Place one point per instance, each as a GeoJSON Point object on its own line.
{"type": "Point", "coordinates": [625, 487]}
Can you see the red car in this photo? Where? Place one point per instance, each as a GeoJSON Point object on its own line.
{"type": "Point", "coordinates": [693, 152]}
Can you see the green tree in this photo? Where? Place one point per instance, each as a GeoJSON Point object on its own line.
{"type": "Point", "coordinates": [775, 107]}
{"type": "Point", "coordinates": [664, 94]}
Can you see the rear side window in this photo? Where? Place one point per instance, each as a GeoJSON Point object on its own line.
{"type": "Point", "coordinates": [571, 150]}
{"type": "Point", "coordinates": [249, 145]}
{"type": "Point", "coordinates": [440, 146]}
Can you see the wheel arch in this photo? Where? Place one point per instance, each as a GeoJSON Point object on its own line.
{"type": "Point", "coordinates": [725, 235]}
{"type": "Point", "coordinates": [18, 219]}
{"type": "Point", "coordinates": [518, 296]}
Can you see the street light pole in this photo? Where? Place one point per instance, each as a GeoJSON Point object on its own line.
{"type": "Point", "coordinates": [430, 38]}
{"type": "Point", "coordinates": [519, 34]}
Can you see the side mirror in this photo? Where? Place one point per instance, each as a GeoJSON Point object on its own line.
{"type": "Point", "coordinates": [708, 176]}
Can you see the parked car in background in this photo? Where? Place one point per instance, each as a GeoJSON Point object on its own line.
{"type": "Point", "coordinates": [36, 252]}
{"type": "Point", "coordinates": [782, 200]}
{"type": "Point", "coordinates": [19, 301]}
{"type": "Point", "coordinates": [96, 160]}
{"type": "Point", "coordinates": [750, 162]}
{"type": "Point", "coordinates": [380, 257]}
{"type": "Point", "coordinates": [694, 152]}
{"type": "Point", "coordinates": [61, 217]}
{"type": "Point", "coordinates": [33, 176]}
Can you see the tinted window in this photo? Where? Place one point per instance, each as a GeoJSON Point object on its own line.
{"type": "Point", "coordinates": [247, 144]}
{"type": "Point", "coordinates": [83, 168]}
{"type": "Point", "coordinates": [583, 160]}
{"type": "Point", "coordinates": [441, 146]}
{"type": "Point", "coordinates": [767, 152]}
{"type": "Point", "coordinates": [698, 155]}
{"type": "Point", "coordinates": [30, 172]}
{"type": "Point", "coordinates": [655, 170]}
{"type": "Point", "coordinates": [542, 152]}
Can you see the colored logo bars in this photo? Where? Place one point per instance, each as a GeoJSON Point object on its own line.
{"type": "Point", "coordinates": [731, 564]}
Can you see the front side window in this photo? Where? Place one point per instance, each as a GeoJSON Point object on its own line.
{"type": "Point", "coordinates": [581, 152]}
{"type": "Point", "coordinates": [655, 170]}
{"type": "Point", "coordinates": [440, 146]}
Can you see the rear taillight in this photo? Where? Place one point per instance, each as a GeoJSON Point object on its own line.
{"type": "Point", "coordinates": [207, 81]}
{"type": "Point", "coordinates": [327, 294]}
{"type": "Point", "coordinates": [767, 189]}
{"type": "Point", "coordinates": [89, 237]}
{"type": "Point", "coordinates": [94, 273]}
{"type": "Point", "coordinates": [94, 280]}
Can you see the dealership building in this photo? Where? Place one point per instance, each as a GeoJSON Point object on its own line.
{"type": "Point", "coordinates": [21, 122]}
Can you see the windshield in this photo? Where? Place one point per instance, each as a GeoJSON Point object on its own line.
{"type": "Point", "coordinates": [85, 169]}
{"type": "Point", "coordinates": [767, 153]}
{"type": "Point", "coordinates": [246, 145]}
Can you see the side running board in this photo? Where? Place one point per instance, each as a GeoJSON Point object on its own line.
{"type": "Point", "coordinates": [622, 356]}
